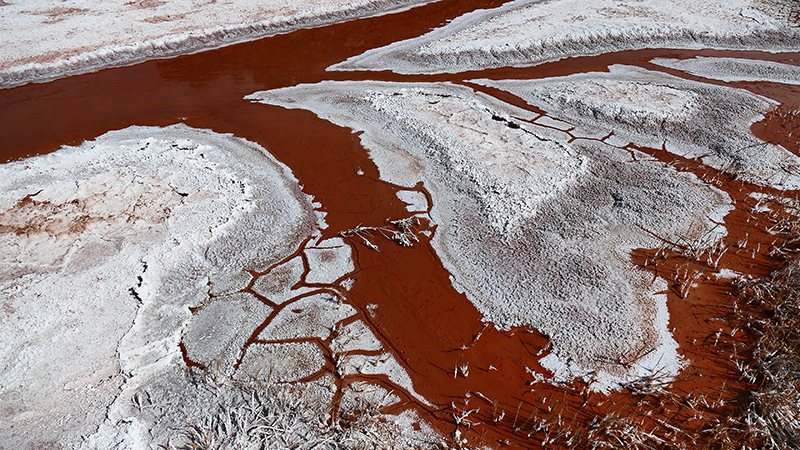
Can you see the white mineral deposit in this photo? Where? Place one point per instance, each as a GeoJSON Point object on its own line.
{"type": "Point", "coordinates": [118, 250]}
{"type": "Point", "coordinates": [531, 226]}
{"type": "Point", "coordinates": [561, 200]}
{"type": "Point", "coordinates": [734, 69]}
{"type": "Point", "coordinates": [43, 40]}
{"type": "Point", "coordinates": [691, 119]}
{"type": "Point", "coordinates": [528, 32]}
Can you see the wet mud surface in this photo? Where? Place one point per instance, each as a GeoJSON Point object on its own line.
{"type": "Point", "coordinates": [477, 378]}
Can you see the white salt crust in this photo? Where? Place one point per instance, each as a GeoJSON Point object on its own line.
{"type": "Point", "coordinates": [355, 336]}
{"type": "Point", "coordinates": [116, 251]}
{"type": "Point", "coordinates": [734, 69]}
{"type": "Point", "coordinates": [529, 32]}
{"type": "Point", "coordinates": [107, 245]}
{"type": "Point", "coordinates": [328, 261]}
{"type": "Point", "coordinates": [312, 316]}
{"type": "Point", "coordinates": [281, 362]}
{"type": "Point", "coordinates": [535, 231]}
{"type": "Point", "coordinates": [654, 109]}
{"type": "Point", "coordinates": [277, 285]}
{"type": "Point", "coordinates": [41, 40]}
{"type": "Point", "coordinates": [416, 201]}
{"type": "Point", "coordinates": [384, 364]}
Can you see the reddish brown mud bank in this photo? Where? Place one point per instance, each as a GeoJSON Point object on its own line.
{"type": "Point", "coordinates": [477, 377]}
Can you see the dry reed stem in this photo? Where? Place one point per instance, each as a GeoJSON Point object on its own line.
{"type": "Point", "coordinates": [403, 233]}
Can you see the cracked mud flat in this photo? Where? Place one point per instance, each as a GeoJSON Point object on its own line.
{"type": "Point", "coordinates": [581, 169]}
{"type": "Point", "coordinates": [532, 225]}
{"type": "Point", "coordinates": [653, 109]}
{"type": "Point", "coordinates": [121, 249]}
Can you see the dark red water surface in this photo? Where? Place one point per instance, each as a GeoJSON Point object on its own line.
{"type": "Point", "coordinates": [428, 325]}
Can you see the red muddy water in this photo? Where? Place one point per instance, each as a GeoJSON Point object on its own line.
{"type": "Point", "coordinates": [430, 328]}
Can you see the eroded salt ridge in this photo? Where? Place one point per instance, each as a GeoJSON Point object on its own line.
{"type": "Point", "coordinates": [119, 252]}
{"type": "Point", "coordinates": [734, 69]}
{"type": "Point", "coordinates": [654, 109]}
{"type": "Point", "coordinates": [42, 40]}
{"type": "Point", "coordinates": [528, 32]}
{"type": "Point", "coordinates": [534, 229]}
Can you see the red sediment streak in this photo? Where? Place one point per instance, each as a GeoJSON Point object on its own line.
{"type": "Point", "coordinates": [187, 361]}
{"type": "Point", "coordinates": [781, 126]}
{"type": "Point", "coordinates": [429, 327]}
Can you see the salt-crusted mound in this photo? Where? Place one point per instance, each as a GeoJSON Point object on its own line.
{"type": "Point", "coordinates": [527, 32]}
{"type": "Point", "coordinates": [119, 254]}
{"type": "Point", "coordinates": [106, 246]}
{"type": "Point", "coordinates": [535, 230]}
{"type": "Point", "coordinates": [692, 119]}
{"type": "Point", "coordinates": [41, 40]}
{"type": "Point", "coordinates": [734, 69]}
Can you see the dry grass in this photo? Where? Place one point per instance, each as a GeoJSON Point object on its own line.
{"type": "Point", "coordinates": [266, 418]}
{"type": "Point", "coordinates": [768, 416]}
{"type": "Point", "coordinates": [288, 417]}
{"type": "Point", "coordinates": [772, 415]}
{"type": "Point", "coordinates": [765, 417]}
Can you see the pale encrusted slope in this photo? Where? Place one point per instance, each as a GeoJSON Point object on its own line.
{"type": "Point", "coordinates": [106, 246]}
{"type": "Point", "coordinates": [41, 40]}
{"type": "Point", "coordinates": [654, 109]}
{"type": "Point", "coordinates": [528, 32]}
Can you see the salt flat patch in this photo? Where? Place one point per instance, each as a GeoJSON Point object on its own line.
{"type": "Point", "coordinates": [220, 329]}
{"type": "Point", "coordinates": [328, 261]}
{"type": "Point", "coordinates": [385, 364]}
{"type": "Point", "coordinates": [281, 362]}
{"type": "Point", "coordinates": [307, 317]}
{"type": "Point", "coordinates": [648, 108]}
{"type": "Point", "coordinates": [528, 32]}
{"type": "Point", "coordinates": [106, 247]}
{"type": "Point", "coordinates": [734, 69]}
{"type": "Point", "coordinates": [355, 336]}
{"type": "Point", "coordinates": [278, 284]}
{"type": "Point", "coordinates": [536, 231]}
{"type": "Point", "coordinates": [41, 40]}
{"type": "Point", "coordinates": [122, 253]}
{"type": "Point", "coordinates": [416, 201]}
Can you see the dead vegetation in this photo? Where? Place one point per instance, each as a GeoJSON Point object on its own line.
{"type": "Point", "coordinates": [767, 416]}
{"type": "Point", "coordinates": [766, 356]}
{"type": "Point", "coordinates": [700, 250]}
{"type": "Point", "coordinates": [402, 232]}
{"type": "Point", "coordinates": [772, 415]}
{"type": "Point", "coordinates": [287, 417]}
{"type": "Point", "coordinates": [762, 344]}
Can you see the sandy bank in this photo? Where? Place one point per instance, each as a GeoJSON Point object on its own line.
{"type": "Point", "coordinates": [525, 32]}
{"type": "Point", "coordinates": [43, 40]}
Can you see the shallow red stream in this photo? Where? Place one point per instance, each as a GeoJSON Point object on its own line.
{"type": "Point", "coordinates": [419, 315]}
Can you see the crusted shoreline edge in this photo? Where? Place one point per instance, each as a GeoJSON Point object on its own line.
{"type": "Point", "coordinates": [189, 42]}
{"type": "Point", "coordinates": [505, 227]}
{"type": "Point", "coordinates": [462, 44]}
